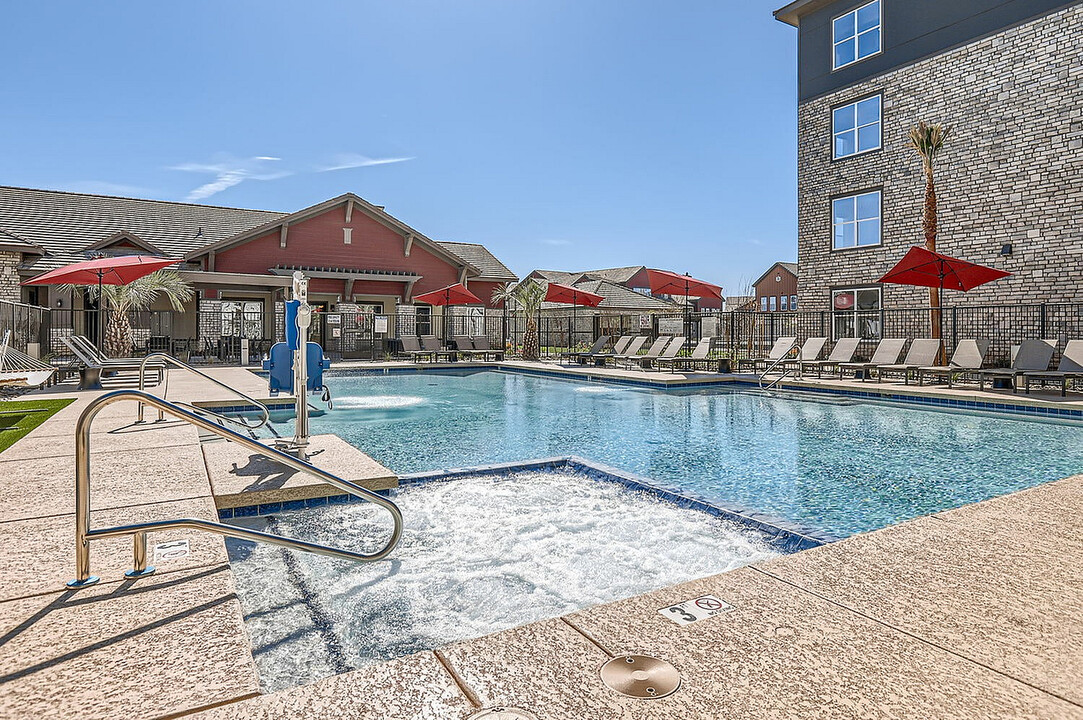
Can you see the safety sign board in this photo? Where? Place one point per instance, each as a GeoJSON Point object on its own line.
{"type": "Point", "coordinates": [172, 550]}
{"type": "Point", "coordinates": [695, 609]}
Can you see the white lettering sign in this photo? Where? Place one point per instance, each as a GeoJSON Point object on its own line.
{"type": "Point", "coordinates": [379, 324]}
{"type": "Point", "coordinates": [694, 610]}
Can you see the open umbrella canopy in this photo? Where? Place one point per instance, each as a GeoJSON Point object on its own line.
{"type": "Point", "coordinates": [456, 294]}
{"type": "Point", "coordinates": [664, 282]}
{"type": "Point", "coordinates": [925, 268]}
{"type": "Point", "coordinates": [103, 271]}
{"type": "Point", "coordinates": [571, 296]}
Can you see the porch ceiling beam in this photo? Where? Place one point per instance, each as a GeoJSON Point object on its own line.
{"type": "Point", "coordinates": [349, 289]}
{"type": "Point", "coordinates": [462, 273]}
{"type": "Point", "coordinates": [219, 278]}
{"type": "Point", "coordinates": [408, 243]}
{"type": "Point", "coordinates": [408, 290]}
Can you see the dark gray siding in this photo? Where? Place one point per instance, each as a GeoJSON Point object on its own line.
{"type": "Point", "coordinates": [912, 29]}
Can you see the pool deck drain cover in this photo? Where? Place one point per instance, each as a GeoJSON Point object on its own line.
{"type": "Point", "coordinates": [641, 676]}
{"type": "Point", "coordinates": [503, 713]}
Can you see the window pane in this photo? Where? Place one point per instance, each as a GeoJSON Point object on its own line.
{"type": "Point", "coordinates": [844, 53]}
{"type": "Point", "coordinates": [784, 302]}
{"type": "Point", "coordinates": [844, 118]}
{"type": "Point", "coordinates": [793, 302]}
{"type": "Point", "coordinates": [772, 303]}
{"type": "Point", "coordinates": [868, 299]}
{"type": "Point", "coordinates": [868, 17]}
{"type": "Point", "coordinates": [868, 43]}
{"type": "Point", "coordinates": [844, 235]}
{"type": "Point", "coordinates": [868, 138]}
{"type": "Point", "coordinates": [868, 232]}
{"type": "Point", "coordinates": [763, 303]}
{"type": "Point", "coordinates": [868, 206]}
{"type": "Point", "coordinates": [844, 27]}
{"type": "Point", "coordinates": [843, 210]}
{"type": "Point", "coordinates": [844, 144]}
{"type": "Point", "coordinates": [868, 111]}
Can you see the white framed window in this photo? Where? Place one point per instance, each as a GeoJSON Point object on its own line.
{"type": "Point", "coordinates": [793, 302]}
{"type": "Point", "coordinates": [856, 313]}
{"type": "Point", "coordinates": [855, 128]}
{"type": "Point", "coordinates": [784, 302]}
{"type": "Point", "coordinates": [763, 304]}
{"type": "Point", "coordinates": [774, 303]}
{"type": "Point", "coordinates": [856, 35]}
{"type": "Point", "coordinates": [855, 220]}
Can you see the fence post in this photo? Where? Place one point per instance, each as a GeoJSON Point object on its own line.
{"type": "Point", "coordinates": [954, 329]}
{"type": "Point", "coordinates": [1041, 321]}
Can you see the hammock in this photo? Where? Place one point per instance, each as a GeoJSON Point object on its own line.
{"type": "Point", "coordinates": [18, 368]}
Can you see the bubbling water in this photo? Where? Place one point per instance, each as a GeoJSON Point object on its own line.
{"type": "Point", "coordinates": [378, 402]}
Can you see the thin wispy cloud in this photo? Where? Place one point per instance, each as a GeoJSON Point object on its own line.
{"type": "Point", "coordinates": [555, 241]}
{"type": "Point", "coordinates": [229, 172]}
{"type": "Point", "coordinates": [347, 161]}
{"type": "Point", "coordinates": [104, 187]}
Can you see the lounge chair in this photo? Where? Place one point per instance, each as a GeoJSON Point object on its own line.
{"type": "Point", "coordinates": [464, 345]}
{"type": "Point", "coordinates": [669, 352]}
{"type": "Point", "coordinates": [596, 348]}
{"type": "Point", "coordinates": [91, 350]}
{"type": "Point", "coordinates": [91, 367]}
{"type": "Point", "coordinates": [922, 352]}
{"type": "Point", "coordinates": [779, 350]}
{"type": "Point", "coordinates": [810, 351]}
{"type": "Point", "coordinates": [653, 351]}
{"type": "Point", "coordinates": [887, 352]}
{"type": "Point", "coordinates": [430, 344]}
{"type": "Point", "coordinates": [1069, 368]}
{"type": "Point", "coordinates": [411, 347]}
{"type": "Point", "coordinates": [699, 355]}
{"type": "Point", "coordinates": [843, 352]}
{"type": "Point", "coordinates": [483, 346]}
{"type": "Point", "coordinates": [631, 350]}
{"type": "Point", "coordinates": [1033, 356]}
{"type": "Point", "coordinates": [599, 358]}
{"type": "Point", "coordinates": [967, 359]}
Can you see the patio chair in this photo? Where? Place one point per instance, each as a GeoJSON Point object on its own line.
{"type": "Point", "coordinates": [91, 368]}
{"type": "Point", "coordinates": [1070, 367]}
{"type": "Point", "coordinates": [779, 350]}
{"type": "Point", "coordinates": [843, 352]}
{"type": "Point", "coordinates": [967, 359]}
{"type": "Point", "coordinates": [594, 349]}
{"type": "Point", "coordinates": [1033, 356]}
{"type": "Point", "coordinates": [464, 345]}
{"type": "Point", "coordinates": [699, 355]}
{"type": "Point", "coordinates": [411, 347]}
{"type": "Point", "coordinates": [483, 346]}
{"type": "Point", "coordinates": [653, 351]}
{"type": "Point", "coordinates": [887, 352]}
{"type": "Point", "coordinates": [630, 350]}
{"type": "Point", "coordinates": [619, 348]}
{"type": "Point", "coordinates": [104, 360]}
{"type": "Point", "coordinates": [810, 351]}
{"type": "Point", "coordinates": [669, 352]}
{"type": "Point", "coordinates": [922, 352]}
{"type": "Point", "coordinates": [430, 344]}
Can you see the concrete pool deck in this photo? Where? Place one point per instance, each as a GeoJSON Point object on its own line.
{"type": "Point", "coordinates": [974, 612]}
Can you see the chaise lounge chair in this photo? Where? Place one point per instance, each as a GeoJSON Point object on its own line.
{"type": "Point", "coordinates": [1032, 356]}
{"type": "Point", "coordinates": [699, 355]}
{"type": "Point", "coordinates": [779, 350]}
{"type": "Point", "coordinates": [653, 351]}
{"type": "Point", "coordinates": [967, 359]}
{"type": "Point", "coordinates": [483, 346]}
{"type": "Point", "coordinates": [887, 352]}
{"type": "Point", "coordinates": [843, 352]}
{"type": "Point", "coordinates": [1069, 368]}
{"type": "Point", "coordinates": [411, 347]}
{"type": "Point", "coordinates": [594, 350]}
{"type": "Point", "coordinates": [430, 344]}
{"type": "Point", "coordinates": [630, 350]}
{"type": "Point", "coordinates": [810, 351]}
{"type": "Point", "coordinates": [922, 353]}
{"type": "Point", "coordinates": [599, 358]}
{"type": "Point", "coordinates": [670, 352]}
{"type": "Point", "coordinates": [91, 366]}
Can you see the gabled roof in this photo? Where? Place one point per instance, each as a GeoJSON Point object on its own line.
{"type": "Point", "coordinates": [788, 266]}
{"type": "Point", "coordinates": [121, 237]}
{"type": "Point", "coordinates": [359, 205]}
{"type": "Point", "coordinates": [617, 297]}
{"type": "Point", "coordinates": [619, 275]}
{"type": "Point", "coordinates": [480, 257]}
{"type": "Point", "coordinates": [63, 224]}
{"type": "Point", "coordinates": [792, 13]}
{"type": "Point", "coordinates": [11, 241]}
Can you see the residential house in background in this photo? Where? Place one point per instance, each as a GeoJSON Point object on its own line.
{"type": "Point", "coordinates": [633, 277]}
{"type": "Point", "coordinates": [1006, 76]}
{"type": "Point", "coordinates": [776, 289]}
{"type": "Point", "coordinates": [619, 297]}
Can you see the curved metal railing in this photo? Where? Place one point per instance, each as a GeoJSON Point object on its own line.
{"type": "Point", "coordinates": [84, 534]}
{"type": "Point", "coordinates": [785, 358]}
{"type": "Point", "coordinates": [264, 412]}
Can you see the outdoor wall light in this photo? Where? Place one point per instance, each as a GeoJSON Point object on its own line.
{"type": "Point", "coordinates": [1006, 249]}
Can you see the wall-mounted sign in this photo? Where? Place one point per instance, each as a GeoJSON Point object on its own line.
{"type": "Point", "coordinates": [379, 324]}
{"type": "Point", "coordinates": [670, 326]}
{"type": "Point", "coordinates": [334, 319]}
{"type": "Point", "coordinates": [644, 322]}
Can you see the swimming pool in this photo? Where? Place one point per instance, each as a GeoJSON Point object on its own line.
{"type": "Point", "coordinates": [478, 554]}
{"type": "Point", "coordinates": [838, 466]}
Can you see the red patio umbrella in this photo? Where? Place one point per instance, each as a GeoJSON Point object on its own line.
{"type": "Point", "coordinates": [103, 271]}
{"type": "Point", "coordinates": [573, 296]}
{"type": "Point", "coordinates": [924, 268]}
{"type": "Point", "coordinates": [663, 282]}
{"type": "Point", "coordinates": [456, 294]}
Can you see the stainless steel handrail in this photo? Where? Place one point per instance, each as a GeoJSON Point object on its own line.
{"type": "Point", "coordinates": [776, 363]}
{"type": "Point", "coordinates": [84, 534]}
{"type": "Point", "coordinates": [169, 359]}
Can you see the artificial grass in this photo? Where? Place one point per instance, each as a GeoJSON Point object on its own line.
{"type": "Point", "coordinates": [19, 417]}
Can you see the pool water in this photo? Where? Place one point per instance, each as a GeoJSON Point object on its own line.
{"type": "Point", "coordinates": [839, 468]}
{"type": "Point", "coordinates": [478, 554]}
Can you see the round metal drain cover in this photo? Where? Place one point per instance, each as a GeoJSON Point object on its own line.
{"type": "Point", "coordinates": [503, 713]}
{"type": "Point", "coordinates": [641, 676]}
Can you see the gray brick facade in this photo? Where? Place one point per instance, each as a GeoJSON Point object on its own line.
{"type": "Point", "coordinates": [9, 276]}
{"type": "Point", "coordinates": [1012, 172]}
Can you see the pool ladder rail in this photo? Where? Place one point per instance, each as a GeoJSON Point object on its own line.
{"type": "Point", "coordinates": [265, 413]}
{"type": "Point", "coordinates": [785, 358]}
{"type": "Point", "coordinates": [84, 534]}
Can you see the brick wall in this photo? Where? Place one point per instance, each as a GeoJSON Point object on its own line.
{"type": "Point", "coordinates": [1012, 172]}
{"type": "Point", "coordinates": [9, 276]}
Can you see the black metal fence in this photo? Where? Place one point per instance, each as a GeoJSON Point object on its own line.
{"type": "Point", "coordinates": [215, 334]}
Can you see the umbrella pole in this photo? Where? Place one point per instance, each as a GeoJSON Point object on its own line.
{"type": "Point", "coordinates": [101, 301]}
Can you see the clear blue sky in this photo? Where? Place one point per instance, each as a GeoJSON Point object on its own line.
{"type": "Point", "coordinates": [563, 134]}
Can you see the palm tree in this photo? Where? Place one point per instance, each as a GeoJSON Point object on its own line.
{"type": "Point", "coordinates": [927, 140]}
{"type": "Point", "coordinates": [137, 295]}
{"type": "Point", "coordinates": [528, 297]}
